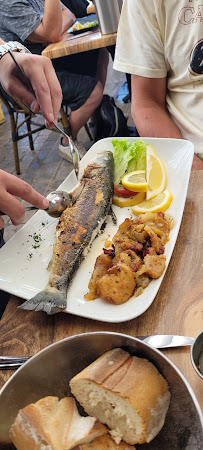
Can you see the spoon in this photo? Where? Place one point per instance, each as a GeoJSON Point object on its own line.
{"type": "Point", "coordinates": [157, 341]}
{"type": "Point", "coordinates": [56, 206]}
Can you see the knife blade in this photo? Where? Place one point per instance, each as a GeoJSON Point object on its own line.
{"type": "Point", "coordinates": [166, 340]}
{"type": "Point", "coordinates": [157, 341]}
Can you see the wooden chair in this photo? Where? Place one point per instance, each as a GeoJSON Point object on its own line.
{"type": "Point", "coordinates": [20, 115]}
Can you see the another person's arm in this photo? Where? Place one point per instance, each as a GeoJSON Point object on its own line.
{"type": "Point", "coordinates": [42, 77]}
{"type": "Point", "coordinates": [149, 111]}
{"type": "Point", "coordinates": [149, 108]}
{"type": "Point", "coordinates": [54, 22]}
{"type": "Point", "coordinates": [11, 186]}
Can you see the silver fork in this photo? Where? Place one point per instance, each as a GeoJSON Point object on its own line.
{"type": "Point", "coordinates": [73, 149]}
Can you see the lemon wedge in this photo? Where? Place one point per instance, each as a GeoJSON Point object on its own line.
{"type": "Point", "coordinates": [135, 181]}
{"type": "Point", "coordinates": [151, 148]}
{"type": "Point", "coordinates": [131, 201]}
{"type": "Point", "coordinates": [155, 174]}
{"type": "Point", "coordinates": [159, 203]}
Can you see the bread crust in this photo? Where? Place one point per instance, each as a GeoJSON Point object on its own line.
{"type": "Point", "coordinates": [53, 424]}
{"type": "Point", "coordinates": [134, 382]}
{"type": "Point", "coordinates": [105, 443]}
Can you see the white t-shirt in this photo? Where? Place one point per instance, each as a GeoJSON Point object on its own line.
{"type": "Point", "coordinates": [159, 38]}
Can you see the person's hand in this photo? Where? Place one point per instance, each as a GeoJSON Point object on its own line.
{"type": "Point", "coordinates": [44, 81]}
{"type": "Point", "coordinates": [197, 163]}
{"type": "Point", "coordinates": [9, 205]}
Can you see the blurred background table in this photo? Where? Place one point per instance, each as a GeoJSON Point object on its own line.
{"type": "Point", "coordinates": [177, 308]}
{"type": "Point", "coordinates": [70, 44]}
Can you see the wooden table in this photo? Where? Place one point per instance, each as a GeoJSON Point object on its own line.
{"type": "Point", "coordinates": [177, 308]}
{"type": "Point", "coordinates": [82, 43]}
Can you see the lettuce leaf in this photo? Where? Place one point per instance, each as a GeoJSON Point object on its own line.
{"type": "Point", "coordinates": [128, 156]}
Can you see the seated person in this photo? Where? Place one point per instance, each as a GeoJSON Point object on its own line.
{"type": "Point", "coordinates": [31, 23]}
{"type": "Point", "coordinates": [93, 62]}
{"type": "Point", "coordinates": [164, 57]}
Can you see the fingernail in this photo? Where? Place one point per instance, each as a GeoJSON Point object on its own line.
{"type": "Point", "coordinates": [51, 117]}
{"type": "Point", "coordinates": [45, 202]}
{"type": "Point", "coordinates": [34, 106]}
{"type": "Point", "coordinates": [20, 220]}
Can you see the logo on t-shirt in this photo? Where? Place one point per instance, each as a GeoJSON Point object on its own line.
{"type": "Point", "coordinates": [196, 59]}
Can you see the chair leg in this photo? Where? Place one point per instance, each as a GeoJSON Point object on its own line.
{"type": "Point", "coordinates": [16, 157]}
{"type": "Point", "coordinates": [14, 133]}
{"type": "Point", "coordinates": [30, 135]}
{"type": "Point", "coordinates": [88, 132]}
{"type": "Point", "coordinates": [65, 122]}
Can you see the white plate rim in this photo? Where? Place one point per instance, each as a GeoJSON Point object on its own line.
{"type": "Point", "coordinates": [125, 314]}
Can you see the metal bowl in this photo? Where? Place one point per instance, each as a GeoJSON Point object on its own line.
{"type": "Point", "coordinates": [195, 352]}
{"type": "Point", "coordinates": [49, 372]}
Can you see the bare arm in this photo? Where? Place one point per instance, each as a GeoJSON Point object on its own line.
{"type": "Point", "coordinates": [10, 186]}
{"type": "Point", "coordinates": [90, 8]}
{"type": "Point", "coordinates": [149, 111]}
{"type": "Point", "coordinates": [148, 108]}
{"type": "Point", "coordinates": [53, 24]}
{"type": "Point", "coordinates": [43, 79]}
{"type": "Point", "coordinates": [68, 19]}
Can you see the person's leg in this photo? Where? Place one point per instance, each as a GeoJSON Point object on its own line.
{"type": "Point", "coordinates": [82, 94]}
{"type": "Point", "coordinates": [102, 65]}
{"type": "Point", "coordinates": [79, 117]}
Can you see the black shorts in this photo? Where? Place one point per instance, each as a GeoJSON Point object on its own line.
{"type": "Point", "coordinates": [76, 89]}
{"type": "Point", "coordinates": [76, 75]}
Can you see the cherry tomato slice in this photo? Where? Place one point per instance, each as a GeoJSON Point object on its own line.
{"type": "Point", "coordinates": [122, 192]}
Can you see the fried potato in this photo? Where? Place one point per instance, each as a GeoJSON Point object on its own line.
{"type": "Point", "coordinates": [102, 264]}
{"type": "Point", "coordinates": [153, 266]}
{"type": "Point", "coordinates": [118, 284]}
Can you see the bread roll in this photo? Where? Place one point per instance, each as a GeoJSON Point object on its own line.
{"type": "Point", "coordinates": [53, 425]}
{"type": "Point", "coordinates": [105, 442]}
{"type": "Point", "coordinates": [126, 393]}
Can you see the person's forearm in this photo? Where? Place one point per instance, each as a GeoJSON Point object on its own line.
{"type": "Point", "coordinates": [68, 18]}
{"type": "Point", "coordinates": [53, 23]}
{"type": "Point", "coordinates": [153, 120]}
{"type": "Point", "coordinates": [52, 19]}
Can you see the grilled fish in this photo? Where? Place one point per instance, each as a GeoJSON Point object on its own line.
{"type": "Point", "coordinates": [77, 227]}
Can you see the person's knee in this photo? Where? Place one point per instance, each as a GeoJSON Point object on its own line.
{"type": "Point", "coordinates": [97, 94]}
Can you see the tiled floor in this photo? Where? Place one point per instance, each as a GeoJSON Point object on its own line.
{"type": "Point", "coordinates": [43, 168]}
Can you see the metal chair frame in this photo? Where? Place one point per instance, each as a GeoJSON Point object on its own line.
{"type": "Point", "coordinates": [15, 108]}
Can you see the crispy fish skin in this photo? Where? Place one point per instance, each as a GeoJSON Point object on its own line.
{"type": "Point", "coordinates": [77, 227]}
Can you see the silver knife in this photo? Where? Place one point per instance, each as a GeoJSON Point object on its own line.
{"type": "Point", "coordinates": [157, 341]}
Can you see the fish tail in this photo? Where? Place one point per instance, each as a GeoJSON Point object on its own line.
{"type": "Point", "coordinates": [47, 301]}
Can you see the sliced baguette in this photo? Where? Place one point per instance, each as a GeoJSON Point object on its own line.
{"type": "Point", "coordinates": [126, 393]}
{"type": "Point", "coordinates": [53, 425]}
{"type": "Point", "coordinates": [105, 442]}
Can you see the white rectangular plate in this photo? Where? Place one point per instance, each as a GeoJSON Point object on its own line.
{"type": "Point", "coordinates": [25, 276]}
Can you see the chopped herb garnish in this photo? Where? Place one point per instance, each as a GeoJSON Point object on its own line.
{"type": "Point", "coordinates": [37, 237]}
